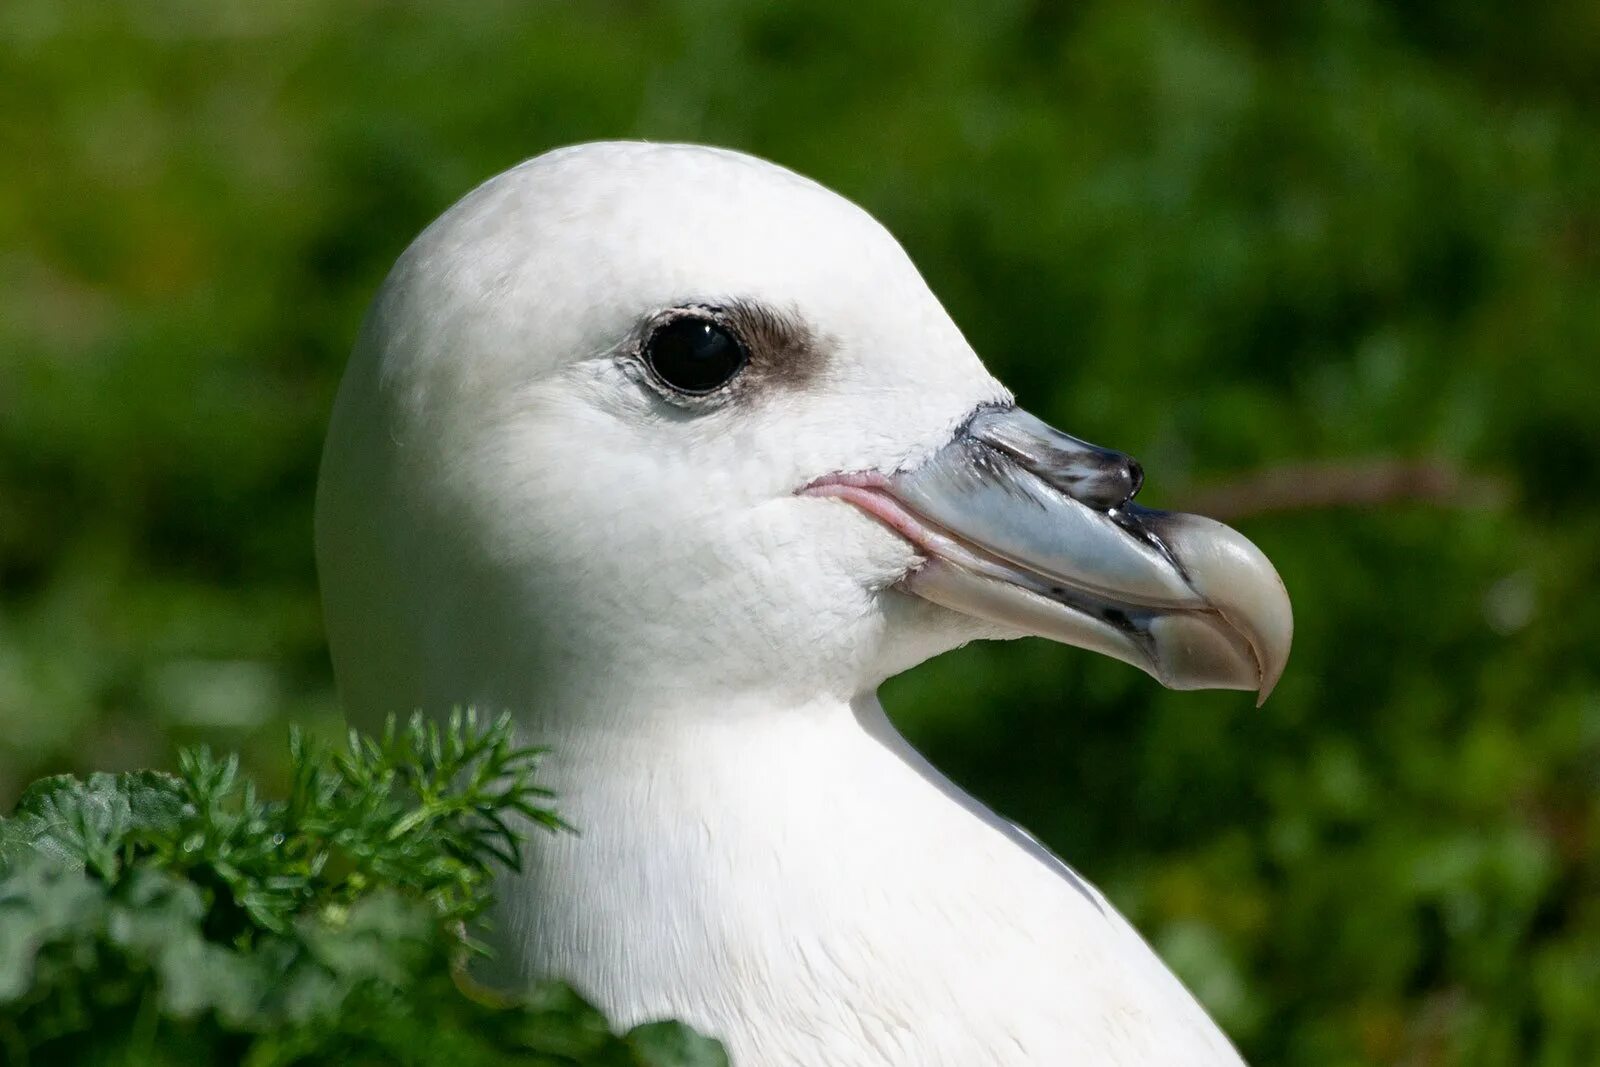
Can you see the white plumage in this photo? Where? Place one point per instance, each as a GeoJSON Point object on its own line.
{"type": "Point", "coordinates": [520, 510]}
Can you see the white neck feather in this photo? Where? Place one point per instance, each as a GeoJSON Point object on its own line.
{"type": "Point", "coordinates": [802, 884]}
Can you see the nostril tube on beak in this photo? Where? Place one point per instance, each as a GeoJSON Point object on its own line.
{"type": "Point", "coordinates": [1100, 478]}
{"type": "Point", "coordinates": [1135, 478]}
{"type": "Point", "coordinates": [1110, 482]}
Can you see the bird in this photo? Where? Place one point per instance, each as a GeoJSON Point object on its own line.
{"type": "Point", "coordinates": [671, 454]}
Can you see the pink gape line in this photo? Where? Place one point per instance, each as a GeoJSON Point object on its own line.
{"type": "Point", "coordinates": [870, 492]}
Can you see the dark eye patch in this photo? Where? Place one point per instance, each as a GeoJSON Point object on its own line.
{"type": "Point", "coordinates": [742, 348]}
{"type": "Point", "coordinates": [784, 351]}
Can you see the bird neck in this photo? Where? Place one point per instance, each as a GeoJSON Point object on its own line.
{"type": "Point", "coordinates": [826, 778]}
{"type": "Point", "coordinates": [596, 742]}
{"type": "Point", "coordinates": [725, 855]}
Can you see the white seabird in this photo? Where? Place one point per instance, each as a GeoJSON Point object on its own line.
{"type": "Point", "coordinates": [672, 453]}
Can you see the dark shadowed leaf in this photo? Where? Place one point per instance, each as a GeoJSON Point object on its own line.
{"type": "Point", "coordinates": [669, 1044]}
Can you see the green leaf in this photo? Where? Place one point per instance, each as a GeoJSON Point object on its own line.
{"type": "Point", "coordinates": [552, 1019]}
{"type": "Point", "coordinates": [382, 938]}
{"type": "Point", "coordinates": [43, 903]}
{"type": "Point", "coordinates": [85, 822]}
{"type": "Point", "coordinates": [197, 977]}
{"type": "Point", "coordinates": [669, 1044]}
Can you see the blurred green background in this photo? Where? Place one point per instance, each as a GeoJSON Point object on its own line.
{"type": "Point", "coordinates": [1332, 270]}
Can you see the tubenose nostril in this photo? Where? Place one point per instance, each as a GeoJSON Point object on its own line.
{"type": "Point", "coordinates": [1135, 475]}
{"type": "Point", "coordinates": [1117, 481]}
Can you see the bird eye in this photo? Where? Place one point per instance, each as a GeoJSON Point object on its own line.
{"type": "Point", "coordinates": [694, 355]}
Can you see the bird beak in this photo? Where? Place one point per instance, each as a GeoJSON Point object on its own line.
{"type": "Point", "coordinates": [1026, 527]}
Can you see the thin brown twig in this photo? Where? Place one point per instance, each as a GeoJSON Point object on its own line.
{"type": "Point", "coordinates": [1365, 483]}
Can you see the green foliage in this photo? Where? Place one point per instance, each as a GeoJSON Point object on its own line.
{"type": "Point", "coordinates": [180, 919]}
{"type": "Point", "coordinates": [1223, 236]}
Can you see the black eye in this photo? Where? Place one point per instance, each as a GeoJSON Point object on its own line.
{"type": "Point", "coordinates": [694, 355]}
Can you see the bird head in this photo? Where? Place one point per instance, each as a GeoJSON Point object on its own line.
{"type": "Point", "coordinates": [636, 424]}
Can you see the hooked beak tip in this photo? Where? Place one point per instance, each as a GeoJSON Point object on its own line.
{"type": "Point", "coordinates": [1240, 583]}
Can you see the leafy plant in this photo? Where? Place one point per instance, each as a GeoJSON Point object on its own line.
{"type": "Point", "coordinates": [156, 919]}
